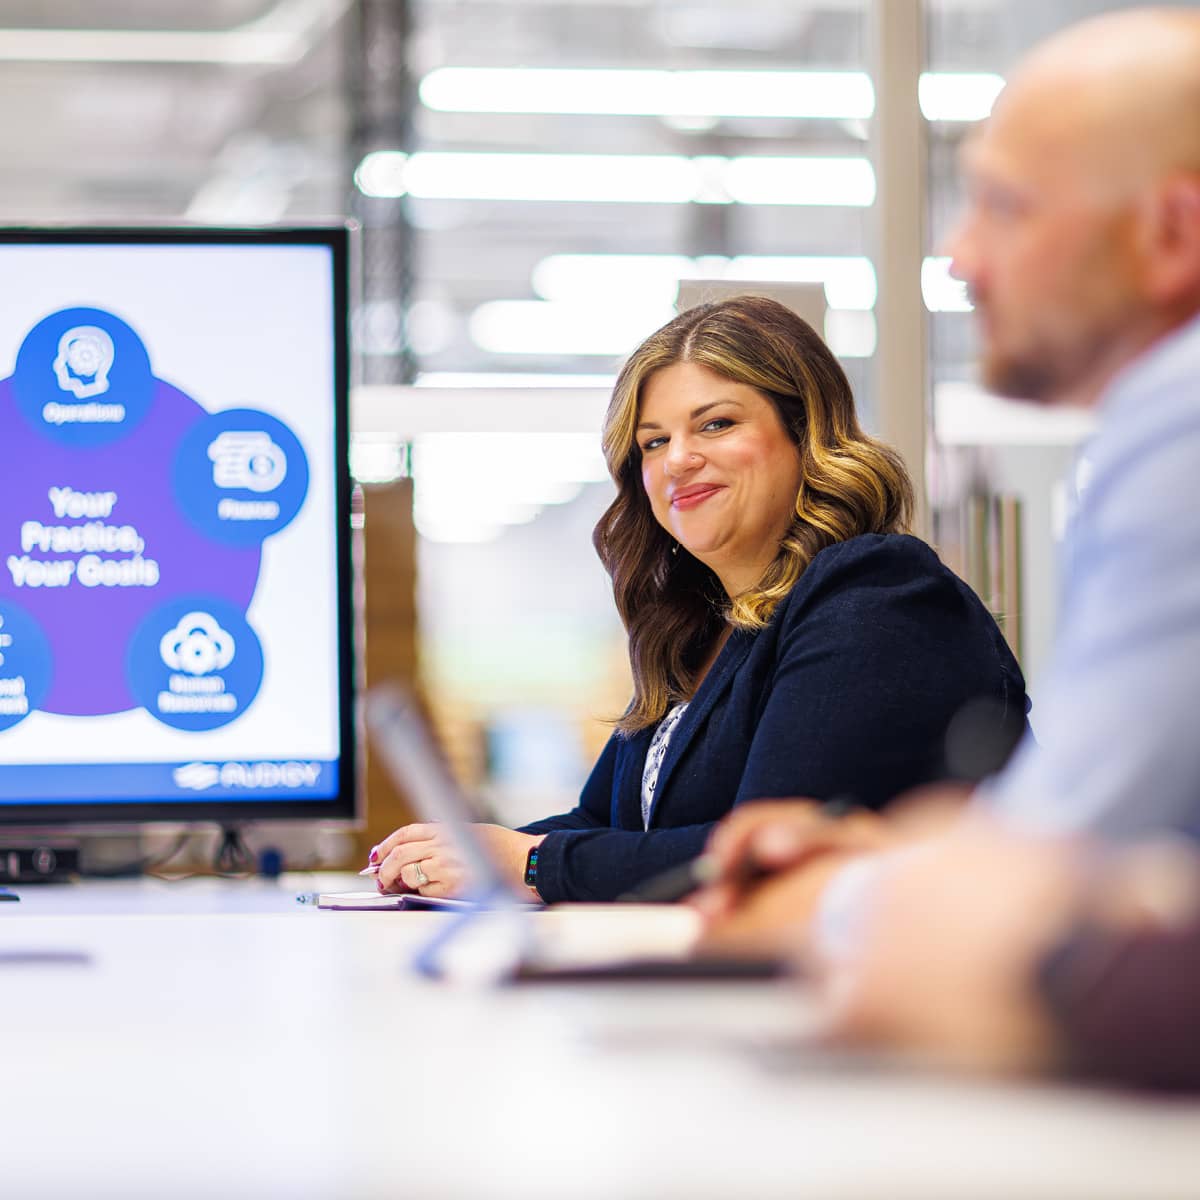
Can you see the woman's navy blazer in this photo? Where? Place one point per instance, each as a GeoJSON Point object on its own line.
{"type": "Point", "coordinates": [846, 693]}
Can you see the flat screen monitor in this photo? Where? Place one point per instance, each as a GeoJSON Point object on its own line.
{"type": "Point", "coordinates": [175, 591]}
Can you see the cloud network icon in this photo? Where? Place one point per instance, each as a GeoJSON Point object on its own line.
{"type": "Point", "coordinates": [197, 645]}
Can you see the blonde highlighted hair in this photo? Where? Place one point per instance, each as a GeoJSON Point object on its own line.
{"type": "Point", "coordinates": [672, 605]}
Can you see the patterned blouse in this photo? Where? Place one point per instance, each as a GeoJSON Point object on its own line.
{"type": "Point", "coordinates": [655, 756]}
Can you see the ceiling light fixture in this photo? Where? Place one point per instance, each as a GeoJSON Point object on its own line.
{"type": "Point", "coordinates": [849, 280]}
{"type": "Point", "coordinates": [957, 96]}
{"type": "Point", "coordinates": [837, 95]}
{"type": "Point", "coordinates": [617, 178]}
{"type": "Point", "coordinates": [844, 95]}
{"type": "Point", "coordinates": [767, 179]}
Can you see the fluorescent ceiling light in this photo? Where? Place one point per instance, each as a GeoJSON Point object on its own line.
{"type": "Point", "coordinates": [544, 328]}
{"type": "Point", "coordinates": [600, 278]}
{"type": "Point", "coordinates": [617, 178]}
{"type": "Point", "coordinates": [949, 96]}
{"type": "Point", "coordinates": [469, 486]}
{"type": "Point", "coordinates": [849, 281]}
{"type": "Point", "coordinates": [628, 178]}
{"type": "Point", "coordinates": [606, 178]}
{"type": "Point", "coordinates": [942, 292]}
{"type": "Point", "coordinates": [844, 95]}
{"type": "Point", "coordinates": [547, 328]}
{"type": "Point", "coordinates": [510, 379]}
{"type": "Point", "coordinates": [381, 174]}
{"type": "Point", "coordinates": [774, 180]}
{"type": "Point", "coordinates": [284, 34]}
{"type": "Point", "coordinates": [575, 278]}
{"type": "Point", "coordinates": [840, 95]}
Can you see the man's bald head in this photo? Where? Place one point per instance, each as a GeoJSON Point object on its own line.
{"type": "Point", "coordinates": [1081, 243]}
{"type": "Point", "coordinates": [1118, 95]}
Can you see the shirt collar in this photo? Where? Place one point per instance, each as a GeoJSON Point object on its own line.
{"type": "Point", "coordinates": [1178, 353]}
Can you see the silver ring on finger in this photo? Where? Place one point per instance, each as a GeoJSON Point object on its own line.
{"type": "Point", "coordinates": [421, 877]}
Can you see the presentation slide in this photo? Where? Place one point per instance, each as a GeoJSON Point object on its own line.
{"type": "Point", "coordinates": [168, 573]}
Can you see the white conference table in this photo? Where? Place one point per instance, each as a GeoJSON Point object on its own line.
{"type": "Point", "coordinates": [212, 1038]}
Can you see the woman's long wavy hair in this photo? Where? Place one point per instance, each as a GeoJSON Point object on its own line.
{"type": "Point", "coordinates": [673, 606]}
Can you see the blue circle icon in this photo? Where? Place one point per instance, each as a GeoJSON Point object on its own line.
{"type": "Point", "coordinates": [195, 663]}
{"type": "Point", "coordinates": [240, 476]}
{"type": "Point", "coordinates": [83, 378]}
{"type": "Point", "coordinates": [26, 664]}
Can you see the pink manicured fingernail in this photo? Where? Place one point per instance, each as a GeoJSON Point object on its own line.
{"type": "Point", "coordinates": [374, 855]}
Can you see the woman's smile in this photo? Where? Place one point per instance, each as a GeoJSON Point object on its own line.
{"type": "Point", "coordinates": [694, 495]}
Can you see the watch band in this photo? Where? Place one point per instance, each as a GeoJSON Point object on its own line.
{"type": "Point", "coordinates": [531, 862]}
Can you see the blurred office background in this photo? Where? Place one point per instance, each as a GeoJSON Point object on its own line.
{"type": "Point", "coordinates": [536, 181]}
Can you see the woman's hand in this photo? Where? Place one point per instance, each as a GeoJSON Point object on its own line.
{"type": "Point", "coordinates": [425, 859]}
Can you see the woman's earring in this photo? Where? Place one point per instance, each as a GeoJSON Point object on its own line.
{"type": "Point", "coordinates": [674, 549]}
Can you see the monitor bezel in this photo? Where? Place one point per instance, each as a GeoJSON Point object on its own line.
{"type": "Point", "coordinates": [345, 807]}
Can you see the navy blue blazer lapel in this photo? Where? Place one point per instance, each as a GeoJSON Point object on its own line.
{"type": "Point", "coordinates": [716, 683]}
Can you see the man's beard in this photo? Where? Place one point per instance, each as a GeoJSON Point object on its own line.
{"type": "Point", "coordinates": [1045, 373]}
{"type": "Point", "coordinates": [1028, 379]}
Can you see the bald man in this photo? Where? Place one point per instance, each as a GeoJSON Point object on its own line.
{"type": "Point", "coordinates": [1080, 246]}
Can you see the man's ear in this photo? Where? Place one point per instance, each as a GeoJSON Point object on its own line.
{"type": "Point", "coordinates": [1172, 239]}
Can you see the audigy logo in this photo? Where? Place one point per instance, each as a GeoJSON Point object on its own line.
{"type": "Point", "coordinates": [199, 777]}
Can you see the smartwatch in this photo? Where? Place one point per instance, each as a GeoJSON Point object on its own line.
{"type": "Point", "coordinates": [531, 862]}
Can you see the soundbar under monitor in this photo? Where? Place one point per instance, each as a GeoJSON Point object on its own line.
{"type": "Point", "coordinates": [175, 570]}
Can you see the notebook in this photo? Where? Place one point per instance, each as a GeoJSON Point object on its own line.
{"type": "Point", "coordinates": [363, 901]}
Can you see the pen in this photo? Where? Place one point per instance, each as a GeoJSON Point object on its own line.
{"type": "Point", "coordinates": [307, 897]}
{"type": "Point", "coordinates": [678, 882]}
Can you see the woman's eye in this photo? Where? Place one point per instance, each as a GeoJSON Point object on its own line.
{"type": "Point", "coordinates": [717, 423]}
{"type": "Point", "coordinates": [652, 444]}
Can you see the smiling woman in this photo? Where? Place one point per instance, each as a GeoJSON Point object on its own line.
{"type": "Point", "coordinates": [786, 636]}
{"type": "Point", "coordinates": [731, 435]}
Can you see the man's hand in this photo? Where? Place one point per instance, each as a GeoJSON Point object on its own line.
{"type": "Point", "coordinates": [952, 933]}
{"type": "Point", "coordinates": [772, 836]}
{"type": "Point", "coordinates": [774, 857]}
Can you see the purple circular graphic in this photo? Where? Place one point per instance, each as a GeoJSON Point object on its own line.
{"type": "Point", "coordinates": [92, 540]}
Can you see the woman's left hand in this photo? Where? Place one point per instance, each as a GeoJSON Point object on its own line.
{"type": "Point", "coordinates": [425, 859]}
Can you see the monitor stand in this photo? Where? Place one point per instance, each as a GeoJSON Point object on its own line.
{"type": "Point", "coordinates": [52, 861]}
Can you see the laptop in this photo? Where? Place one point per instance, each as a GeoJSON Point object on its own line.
{"type": "Point", "coordinates": [494, 936]}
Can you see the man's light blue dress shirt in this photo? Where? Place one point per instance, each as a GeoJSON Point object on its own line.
{"type": "Point", "coordinates": [1118, 711]}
